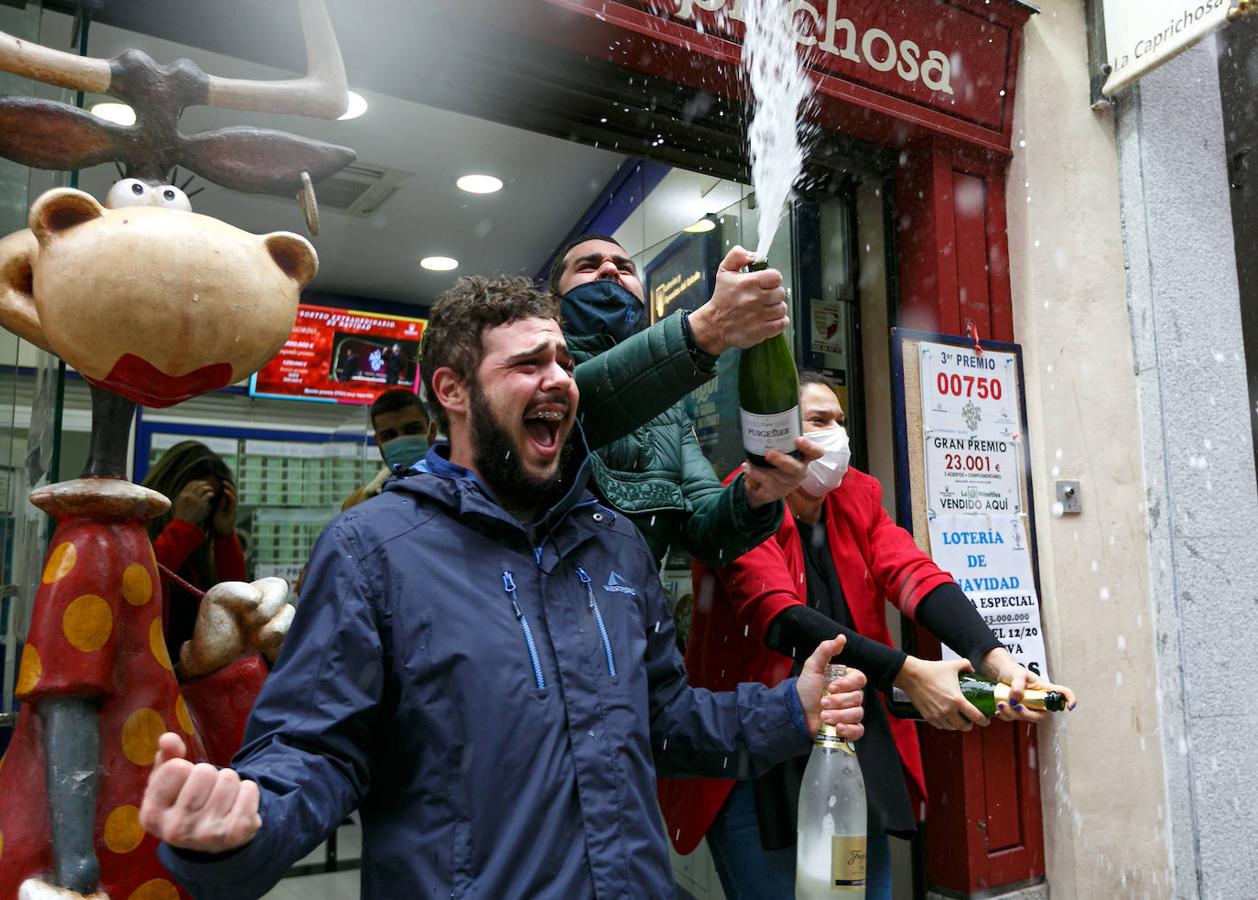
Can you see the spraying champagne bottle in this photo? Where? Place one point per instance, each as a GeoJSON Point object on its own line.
{"type": "Point", "coordinates": [830, 844]}
{"type": "Point", "coordinates": [768, 395]}
{"type": "Point", "coordinates": [984, 693]}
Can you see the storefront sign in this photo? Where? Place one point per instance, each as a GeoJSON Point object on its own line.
{"type": "Point", "coordinates": [1140, 35]}
{"type": "Point", "coordinates": [821, 26]}
{"type": "Point", "coordinates": [990, 559]}
{"type": "Point", "coordinates": [937, 54]}
{"type": "Point", "coordinates": [342, 356]}
{"type": "Point", "coordinates": [972, 489]}
{"type": "Point", "coordinates": [966, 393]}
{"type": "Point", "coordinates": [969, 430]}
{"type": "Point", "coordinates": [970, 474]}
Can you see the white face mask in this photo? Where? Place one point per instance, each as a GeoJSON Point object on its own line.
{"type": "Point", "coordinates": [825, 474]}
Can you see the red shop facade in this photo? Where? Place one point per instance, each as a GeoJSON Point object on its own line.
{"type": "Point", "coordinates": [933, 83]}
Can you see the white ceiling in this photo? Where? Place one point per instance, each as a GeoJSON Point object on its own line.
{"type": "Point", "coordinates": [550, 183]}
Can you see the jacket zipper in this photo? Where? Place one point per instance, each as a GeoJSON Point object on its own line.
{"type": "Point", "coordinates": [598, 618]}
{"type": "Point", "coordinates": [508, 585]}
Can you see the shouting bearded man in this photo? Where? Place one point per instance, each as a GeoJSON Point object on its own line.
{"type": "Point", "coordinates": [483, 663]}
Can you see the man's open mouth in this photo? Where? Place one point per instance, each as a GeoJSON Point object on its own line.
{"type": "Point", "coordinates": [543, 426]}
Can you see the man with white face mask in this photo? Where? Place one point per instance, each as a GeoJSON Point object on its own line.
{"type": "Point", "coordinates": [835, 562]}
{"type": "Point", "coordinates": [402, 431]}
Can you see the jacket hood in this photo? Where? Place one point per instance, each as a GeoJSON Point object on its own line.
{"type": "Point", "coordinates": [461, 491]}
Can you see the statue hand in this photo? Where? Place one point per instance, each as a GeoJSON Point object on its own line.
{"type": "Point", "coordinates": [233, 620]}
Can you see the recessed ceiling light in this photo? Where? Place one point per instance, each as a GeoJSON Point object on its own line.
{"type": "Point", "coordinates": [703, 225]}
{"type": "Point", "coordinates": [118, 113]}
{"type": "Point", "coordinates": [479, 184]}
{"type": "Point", "coordinates": [357, 106]}
{"type": "Point", "coordinates": [439, 263]}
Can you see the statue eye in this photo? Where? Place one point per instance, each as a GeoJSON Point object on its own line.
{"type": "Point", "coordinates": [127, 192]}
{"type": "Point", "coordinates": [167, 196]}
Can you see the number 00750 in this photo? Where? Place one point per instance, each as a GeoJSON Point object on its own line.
{"type": "Point", "coordinates": [969, 386]}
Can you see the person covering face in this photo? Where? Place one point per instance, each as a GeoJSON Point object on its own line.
{"type": "Point", "coordinates": [482, 662]}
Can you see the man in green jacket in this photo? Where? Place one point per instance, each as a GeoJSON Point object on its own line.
{"type": "Point", "coordinates": [656, 473]}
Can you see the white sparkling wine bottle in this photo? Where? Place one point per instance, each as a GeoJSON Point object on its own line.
{"type": "Point", "coordinates": [768, 396]}
{"type": "Point", "coordinates": [830, 846]}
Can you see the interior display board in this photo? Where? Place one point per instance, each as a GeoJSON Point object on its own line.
{"type": "Point", "coordinates": [290, 483]}
{"type": "Point", "coordinates": [342, 356]}
{"type": "Point", "coordinates": [964, 484]}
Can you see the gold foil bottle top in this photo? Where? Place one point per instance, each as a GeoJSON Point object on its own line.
{"type": "Point", "coordinates": [1033, 698]}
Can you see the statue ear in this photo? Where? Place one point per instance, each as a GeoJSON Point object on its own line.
{"type": "Point", "coordinates": [294, 255]}
{"type": "Point", "coordinates": [46, 134]}
{"type": "Point", "coordinates": [61, 209]}
{"type": "Point", "coordinates": [18, 313]}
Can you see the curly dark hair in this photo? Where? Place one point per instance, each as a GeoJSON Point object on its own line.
{"type": "Point", "coordinates": [459, 319]}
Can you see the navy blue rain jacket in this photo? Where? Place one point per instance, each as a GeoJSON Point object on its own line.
{"type": "Point", "coordinates": [495, 699]}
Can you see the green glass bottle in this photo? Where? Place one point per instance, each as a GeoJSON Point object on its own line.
{"type": "Point", "coordinates": [984, 693]}
{"type": "Point", "coordinates": [768, 395]}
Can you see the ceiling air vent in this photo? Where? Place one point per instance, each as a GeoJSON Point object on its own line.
{"type": "Point", "coordinates": [360, 188]}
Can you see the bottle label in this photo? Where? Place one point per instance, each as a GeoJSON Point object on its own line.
{"type": "Point", "coordinates": [775, 432]}
{"type": "Point", "coordinates": [847, 862]}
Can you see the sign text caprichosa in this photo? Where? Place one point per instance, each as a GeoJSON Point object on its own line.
{"type": "Point", "coordinates": [841, 37]}
{"type": "Point", "coordinates": [1141, 35]}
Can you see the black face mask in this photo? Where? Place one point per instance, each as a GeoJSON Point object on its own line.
{"type": "Point", "coordinates": [603, 307]}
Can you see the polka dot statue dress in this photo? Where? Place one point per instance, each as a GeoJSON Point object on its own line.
{"type": "Point", "coordinates": [96, 633]}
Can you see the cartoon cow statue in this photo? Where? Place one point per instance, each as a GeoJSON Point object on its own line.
{"type": "Point", "coordinates": [152, 304]}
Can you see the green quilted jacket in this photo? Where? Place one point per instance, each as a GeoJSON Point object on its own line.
{"type": "Point", "coordinates": [656, 474]}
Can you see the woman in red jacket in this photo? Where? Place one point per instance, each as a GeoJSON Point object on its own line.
{"type": "Point", "coordinates": [195, 539]}
{"type": "Point", "coordinates": [833, 565]}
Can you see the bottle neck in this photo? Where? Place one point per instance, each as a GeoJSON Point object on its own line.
{"type": "Point", "coordinates": [828, 735]}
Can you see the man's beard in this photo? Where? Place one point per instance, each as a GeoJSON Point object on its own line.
{"type": "Point", "coordinates": [499, 466]}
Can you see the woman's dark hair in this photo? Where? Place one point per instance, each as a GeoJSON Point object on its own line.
{"type": "Point", "coordinates": [812, 376]}
{"type": "Point", "coordinates": [184, 462]}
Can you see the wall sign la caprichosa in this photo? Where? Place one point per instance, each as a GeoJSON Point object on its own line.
{"type": "Point", "coordinates": [843, 38]}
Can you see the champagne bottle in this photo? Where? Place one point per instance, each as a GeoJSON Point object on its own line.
{"type": "Point", "coordinates": [830, 845]}
{"type": "Point", "coordinates": [984, 693]}
{"type": "Point", "coordinates": [768, 395]}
